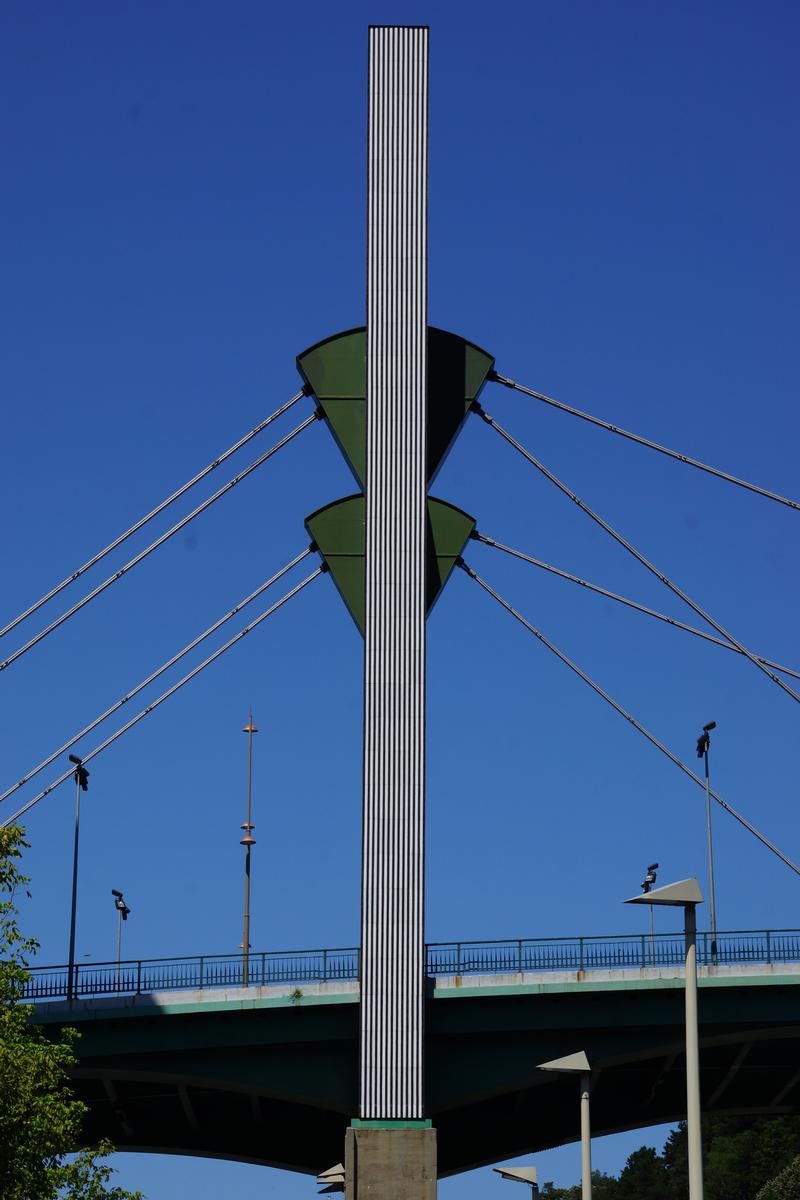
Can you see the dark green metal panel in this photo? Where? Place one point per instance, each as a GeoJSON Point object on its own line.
{"type": "Point", "coordinates": [335, 371]}
{"type": "Point", "coordinates": [339, 532]}
{"type": "Point", "coordinates": [449, 530]}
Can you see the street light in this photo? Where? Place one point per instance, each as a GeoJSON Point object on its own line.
{"type": "Point", "coordinates": [521, 1175]}
{"type": "Point", "coordinates": [686, 894]}
{"type": "Point", "coordinates": [703, 743]}
{"type": "Point", "coordinates": [81, 777]}
{"type": "Point", "coordinates": [578, 1064]}
{"type": "Point", "coordinates": [332, 1180]}
{"type": "Point", "coordinates": [647, 886]}
{"type": "Point", "coordinates": [123, 912]}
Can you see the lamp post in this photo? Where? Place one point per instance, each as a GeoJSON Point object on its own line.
{"type": "Point", "coordinates": [647, 886]}
{"type": "Point", "coordinates": [686, 894]}
{"type": "Point", "coordinates": [703, 743]}
{"type": "Point", "coordinates": [578, 1064]}
{"type": "Point", "coordinates": [520, 1175]}
{"type": "Point", "coordinates": [123, 912]}
{"type": "Point", "coordinates": [81, 785]}
{"type": "Point", "coordinates": [248, 841]}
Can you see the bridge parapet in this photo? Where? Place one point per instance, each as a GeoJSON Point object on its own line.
{"type": "Point", "coordinates": [520, 956]}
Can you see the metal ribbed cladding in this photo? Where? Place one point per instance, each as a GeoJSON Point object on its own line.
{"type": "Point", "coordinates": [392, 967]}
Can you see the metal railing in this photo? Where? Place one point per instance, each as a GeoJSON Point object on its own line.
{"type": "Point", "coordinates": [515, 956]}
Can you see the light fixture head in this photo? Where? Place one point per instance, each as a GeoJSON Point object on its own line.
{"type": "Point", "coordinates": [686, 892]}
{"type": "Point", "coordinates": [569, 1063]}
{"type": "Point", "coordinates": [520, 1175]}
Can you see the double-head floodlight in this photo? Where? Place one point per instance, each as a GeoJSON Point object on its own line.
{"type": "Point", "coordinates": [119, 904]}
{"type": "Point", "coordinates": [704, 741]}
{"type": "Point", "coordinates": [649, 878]}
{"type": "Point", "coordinates": [520, 1175]}
{"type": "Point", "coordinates": [81, 774]}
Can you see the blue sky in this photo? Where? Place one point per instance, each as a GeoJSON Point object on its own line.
{"type": "Point", "coordinates": [614, 191]}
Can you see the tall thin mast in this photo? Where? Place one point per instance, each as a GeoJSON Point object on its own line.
{"type": "Point", "coordinates": [248, 841]}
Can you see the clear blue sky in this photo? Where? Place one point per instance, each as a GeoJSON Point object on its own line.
{"type": "Point", "coordinates": [614, 198]}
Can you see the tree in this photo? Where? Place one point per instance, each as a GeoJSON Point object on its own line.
{"type": "Point", "coordinates": [740, 1156]}
{"type": "Point", "coordinates": [40, 1119]}
{"type": "Point", "coordinates": [603, 1188]}
{"type": "Point", "coordinates": [644, 1174]}
{"type": "Point", "coordinates": [785, 1185]}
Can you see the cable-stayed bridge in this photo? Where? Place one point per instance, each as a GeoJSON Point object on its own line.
{"type": "Point", "coordinates": [305, 1052]}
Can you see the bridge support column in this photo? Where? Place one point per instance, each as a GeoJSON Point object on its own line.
{"type": "Point", "coordinates": [391, 1151]}
{"type": "Point", "coordinates": [390, 1163]}
{"type": "Point", "coordinates": [392, 945]}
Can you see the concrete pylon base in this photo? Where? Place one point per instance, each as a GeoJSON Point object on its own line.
{"type": "Point", "coordinates": [390, 1163]}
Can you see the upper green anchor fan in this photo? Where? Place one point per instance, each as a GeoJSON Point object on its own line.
{"type": "Point", "coordinates": [336, 372]}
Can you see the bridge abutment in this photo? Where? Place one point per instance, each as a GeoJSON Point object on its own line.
{"type": "Point", "coordinates": [390, 1162]}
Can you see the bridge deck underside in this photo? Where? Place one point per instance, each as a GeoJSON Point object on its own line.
{"type": "Point", "coordinates": [275, 1081]}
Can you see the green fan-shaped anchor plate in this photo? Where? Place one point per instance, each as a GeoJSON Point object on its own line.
{"type": "Point", "coordinates": [335, 370]}
{"type": "Point", "coordinates": [339, 533]}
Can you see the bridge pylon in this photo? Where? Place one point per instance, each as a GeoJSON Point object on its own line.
{"type": "Point", "coordinates": [390, 1149]}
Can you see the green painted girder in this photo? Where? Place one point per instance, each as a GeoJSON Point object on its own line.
{"type": "Point", "coordinates": [272, 1076]}
{"type": "Point", "coordinates": [335, 370]}
{"type": "Point", "coordinates": [339, 533]}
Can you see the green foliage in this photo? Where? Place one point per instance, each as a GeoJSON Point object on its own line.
{"type": "Point", "coordinates": [644, 1174]}
{"type": "Point", "coordinates": [40, 1119]}
{"type": "Point", "coordinates": [740, 1156]}
{"type": "Point", "coordinates": [602, 1189]}
{"type": "Point", "coordinates": [743, 1155]}
{"type": "Point", "coordinates": [785, 1185]}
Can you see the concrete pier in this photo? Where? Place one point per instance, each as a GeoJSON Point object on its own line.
{"type": "Point", "coordinates": [390, 1164]}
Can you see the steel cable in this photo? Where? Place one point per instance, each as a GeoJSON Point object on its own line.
{"type": "Point", "coordinates": [155, 675]}
{"type": "Point", "coordinates": [673, 587]}
{"type": "Point", "coordinates": [164, 696]}
{"type": "Point", "coordinates": [34, 641]}
{"type": "Point", "coordinates": [642, 608]}
{"type": "Point", "coordinates": [628, 717]}
{"type": "Point", "coordinates": [642, 441]}
{"type": "Point", "coordinates": [212, 466]}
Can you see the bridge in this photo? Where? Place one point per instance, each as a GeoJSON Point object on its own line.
{"type": "Point", "coordinates": [177, 1056]}
{"type": "Point", "coordinates": [270, 1056]}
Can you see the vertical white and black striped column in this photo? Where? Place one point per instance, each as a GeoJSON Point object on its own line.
{"type": "Point", "coordinates": [392, 968]}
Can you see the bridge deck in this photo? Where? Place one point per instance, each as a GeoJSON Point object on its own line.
{"type": "Point", "coordinates": [270, 1074]}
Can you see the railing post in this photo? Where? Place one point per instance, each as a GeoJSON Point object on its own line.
{"type": "Point", "coordinates": [202, 972]}
{"type": "Point", "coordinates": [705, 949]}
{"type": "Point", "coordinates": [324, 966]}
{"type": "Point", "coordinates": [138, 977]}
{"type": "Point", "coordinates": [644, 950]}
{"type": "Point", "coordinates": [769, 945]}
{"type": "Point", "coordinates": [580, 954]}
{"type": "Point", "coordinates": [519, 956]}
{"type": "Point", "coordinates": [263, 967]}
